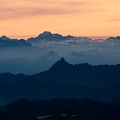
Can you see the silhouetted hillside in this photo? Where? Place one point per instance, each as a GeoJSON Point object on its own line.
{"type": "Point", "coordinates": [83, 74]}
{"type": "Point", "coordinates": [63, 80]}
{"type": "Point", "coordinates": [59, 109]}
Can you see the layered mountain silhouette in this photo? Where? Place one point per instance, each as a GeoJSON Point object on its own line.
{"type": "Point", "coordinates": [82, 72]}
{"type": "Point", "coordinates": [77, 57]}
{"type": "Point", "coordinates": [63, 80]}
{"type": "Point", "coordinates": [45, 36]}
{"type": "Point", "coordinates": [7, 42]}
{"type": "Point", "coordinates": [4, 38]}
{"type": "Point", "coordinates": [114, 38]}
{"type": "Point", "coordinates": [14, 48]}
{"type": "Point", "coordinates": [92, 51]}
{"type": "Point", "coordinates": [59, 109]}
{"type": "Point", "coordinates": [48, 36]}
{"type": "Point", "coordinates": [26, 66]}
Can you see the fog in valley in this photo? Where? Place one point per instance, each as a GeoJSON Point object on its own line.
{"type": "Point", "coordinates": [39, 54]}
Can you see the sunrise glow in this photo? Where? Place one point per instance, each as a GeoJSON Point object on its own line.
{"type": "Point", "coordinates": [28, 18]}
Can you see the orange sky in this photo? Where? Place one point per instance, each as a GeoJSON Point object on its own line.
{"type": "Point", "coordinates": [28, 18]}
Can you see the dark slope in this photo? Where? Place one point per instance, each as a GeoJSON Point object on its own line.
{"type": "Point", "coordinates": [59, 109]}
{"type": "Point", "coordinates": [63, 80]}
{"type": "Point", "coordinates": [83, 74]}
{"type": "Point", "coordinates": [8, 77]}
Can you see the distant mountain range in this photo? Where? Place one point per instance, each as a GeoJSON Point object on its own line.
{"type": "Point", "coordinates": [48, 36]}
{"type": "Point", "coordinates": [34, 78]}
{"type": "Point", "coordinates": [26, 66]}
{"type": "Point", "coordinates": [45, 36]}
{"type": "Point", "coordinates": [114, 38]}
{"type": "Point", "coordinates": [13, 48]}
{"type": "Point", "coordinates": [63, 80]}
{"type": "Point", "coordinates": [7, 42]}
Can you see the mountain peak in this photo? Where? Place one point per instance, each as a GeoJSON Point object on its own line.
{"type": "Point", "coordinates": [51, 53]}
{"type": "Point", "coordinates": [62, 59]}
{"type": "Point", "coordinates": [4, 38]}
{"type": "Point", "coordinates": [48, 36]}
{"type": "Point", "coordinates": [45, 33]}
{"type": "Point", "coordinates": [60, 65]}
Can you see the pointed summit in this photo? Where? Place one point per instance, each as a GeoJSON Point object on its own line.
{"type": "Point", "coordinates": [60, 72]}
{"type": "Point", "coordinates": [62, 59]}
{"type": "Point", "coordinates": [4, 38]}
{"type": "Point", "coordinates": [60, 65]}
{"type": "Point", "coordinates": [62, 62]}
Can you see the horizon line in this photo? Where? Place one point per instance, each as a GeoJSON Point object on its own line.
{"type": "Point", "coordinates": [32, 36]}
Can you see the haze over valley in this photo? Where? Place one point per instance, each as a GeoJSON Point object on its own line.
{"type": "Point", "coordinates": [37, 54]}
{"type": "Point", "coordinates": [59, 60]}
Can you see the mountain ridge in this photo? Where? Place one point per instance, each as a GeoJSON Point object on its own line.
{"type": "Point", "coordinates": [6, 42]}
{"type": "Point", "coordinates": [48, 36]}
{"type": "Point", "coordinates": [63, 80]}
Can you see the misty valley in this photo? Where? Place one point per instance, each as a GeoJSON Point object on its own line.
{"type": "Point", "coordinates": [55, 77]}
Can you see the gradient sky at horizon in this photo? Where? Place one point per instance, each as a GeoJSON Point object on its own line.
{"type": "Point", "coordinates": [28, 18]}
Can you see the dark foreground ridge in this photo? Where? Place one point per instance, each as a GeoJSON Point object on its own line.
{"type": "Point", "coordinates": [59, 109]}
{"type": "Point", "coordinates": [63, 80]}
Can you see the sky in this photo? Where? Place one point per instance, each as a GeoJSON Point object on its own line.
{"type": "Point", "coordinates": [29, 18]}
